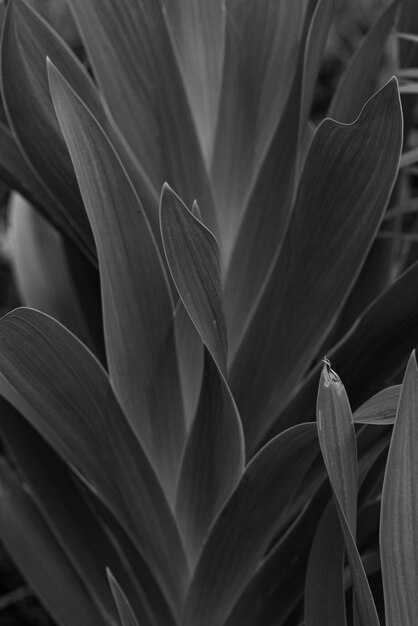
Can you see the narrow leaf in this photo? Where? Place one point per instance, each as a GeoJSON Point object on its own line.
{"type": "Point", "coordinates": [338, 446]}
{"type": "Point", "coordinates": [213, 460]}
{"type": "Point", "coordinates": [125, 610]}
{"type": "Point", "coordinates": [344, 189]}
{"type": "Point", "coordinates": [359, 81]}
{"type": "Point", "coordinates": [246, 525]}
{"type": "Point", "coordinates": [40, 558]}
{"type": "Point", "coordinates": [192, 254]}
{"type": "Point", "coordinates": [60, 388]}
{"type": "Point", "coordinates": [399, 518]}
{"type": "Point", "coordinates": [137, 306]}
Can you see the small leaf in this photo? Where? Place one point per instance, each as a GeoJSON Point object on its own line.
{"type": "Point", "coordinates": [40, 558]}
{"type": "Point", "coordinates": [399, 519]}
{"type": "Point", "coordinates": [125, 610]}
{"type": "Point", "coordinates": [246, 525]}
{"type": "Point", "coordinates": [334, 221]}
{"type": "Point", "coordinates": [213, 460]}
{"type": "Point", "coordinates": [137, 306]}
{"type": "Point", "coordinates": [193, 258]}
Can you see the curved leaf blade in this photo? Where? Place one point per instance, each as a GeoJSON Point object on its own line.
{"type": "Point", "coordinates": [60, 388]}
{"type": "Point", "coordinates": [398, 519]}
{"type": "Point", "coordinates": [380, 408]}
{"type": "Point", "coordinates": [192, 254]}
{"type": "Point", "coordinates": [246, 525]}
{"type": "Point", "coordinates": [125, 610]}
{"type": "Point", "coordinates": [309, 282]}
{"type": "Point", "coordinates": [213, 460]}
{"type": "Point", "coordinates": [137, 306]}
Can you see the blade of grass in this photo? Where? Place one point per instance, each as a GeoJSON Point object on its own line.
{"type": "Point", "coordinates": [125, 610]}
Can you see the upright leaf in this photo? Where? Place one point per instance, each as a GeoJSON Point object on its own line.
{"type": "Point", "coordinates": [133, 60]}
{"type": "Point", "coordinates": [246, 525]}
{"type": "Point", "coordinates": [346, 182]}
{"type": "Point", "coordinates": [213, 460]}
{"type": "Point", "coordinates": [198, 32]}
{"type": "Point", "coordinates": [137, 306]}
{"type": "Point", "coordinates": [125, 610]}
{"type": "Point", "coordinates": [60, 388]}
{"type": "Point", "coordinates": [262, 41]}
{"type": "Point", "coordinates": [192, 254]}
{"type": "Point", "coordinates": [338, 446]}
{"type": "Point", "coordinates": [40, 558]}
{"type": "Point", "coordinates": [399, 515]}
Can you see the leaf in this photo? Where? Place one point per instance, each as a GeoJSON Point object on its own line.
{"type": "Point", "coordinates": [198, 33]}
{"type": "Point", "coordinates": [338, 446]}
{"type": "Point", "coordinates": [246, 525]}
{"type": "Point", "coordinates": [398, 518]}
{"type": "Point", "coordinates": [40, 268]}
{"type": "Point", "coordinates": [380, 408]}
{"type": "Point", "coordinates": [137, 306]}
{"type": "Point", "coordinates": [372, 353]}
{"type": "Point", "coordinates": [125, 610]}
{"type": "Point", "coordinates": [79, 534]}
{"type": "Point", "coordinates": [262, 41]}
{"type": "Point", "coordinates": [324, 585]}
{"type": "Point", "coordinates": [27, 40]}
{"type": "Point", "coordinates": [40, 558]}
{"type": "Point", "coordinates": [359, 80]}
{"type": "Point", "coordinates": [193, 258]}
{"type": "Point", "coordinates": [189, 349]}
{"type": "Point", "coordinates": [59, 387]}
{"type": "Point", "coordinates": [345, 186]}
{"type": "Point", "coordinates": [133, 60]}
{"type": "Point", "coordinates": [213, 460]}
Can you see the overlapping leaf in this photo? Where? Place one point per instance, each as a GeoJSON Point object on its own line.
{"type": "Point", "coordinates": [213, 460]}
{"type": "Point", "coordinates": [39, 556]}
{"type": "Point", "coordinates": [134, 62]}
{"type": "Point", "coordinates": [399, 516]}
{"type": "Point", "coordinates": [246, 525]}
{"type": "Point", "coordinates": [343, 192]}
{"type": "Point", "coordinates": [53, 380]}
{"type": "Point", "coordinates": [137, 306]}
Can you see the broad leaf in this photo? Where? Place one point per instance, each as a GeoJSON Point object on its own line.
{"type": "Point", "coordinates": [359, 81]}
{"type": "Point", "coordinates": [60, 388]}
{"type": "Point", "coordinates": [27, 40]}
{"type": "Point", "coordinates": [399, 520]}
{"type": "Point", "coordinates": [198, 32]}
{"type": "Point", "coordinates": [262, 41]}
{"type": "Point", "coordinates": [137, 306]}
{"type": "Point", "coordinates": [246, 525]}
{"type": "Point", "coordinates": [125, 610]}
{"type": "Point", "coordinates": [133, 60]}
{"type": "Point", "coordinates": [345, 186]}
{"type": "Point", "coordinates": [371, 355]}
{"type": "Point", "coordinates": [213, 460]}
{"type": "Point", "coordinates": [192, 254]}
{"type": "Point", "coordinates": [38, 555]}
